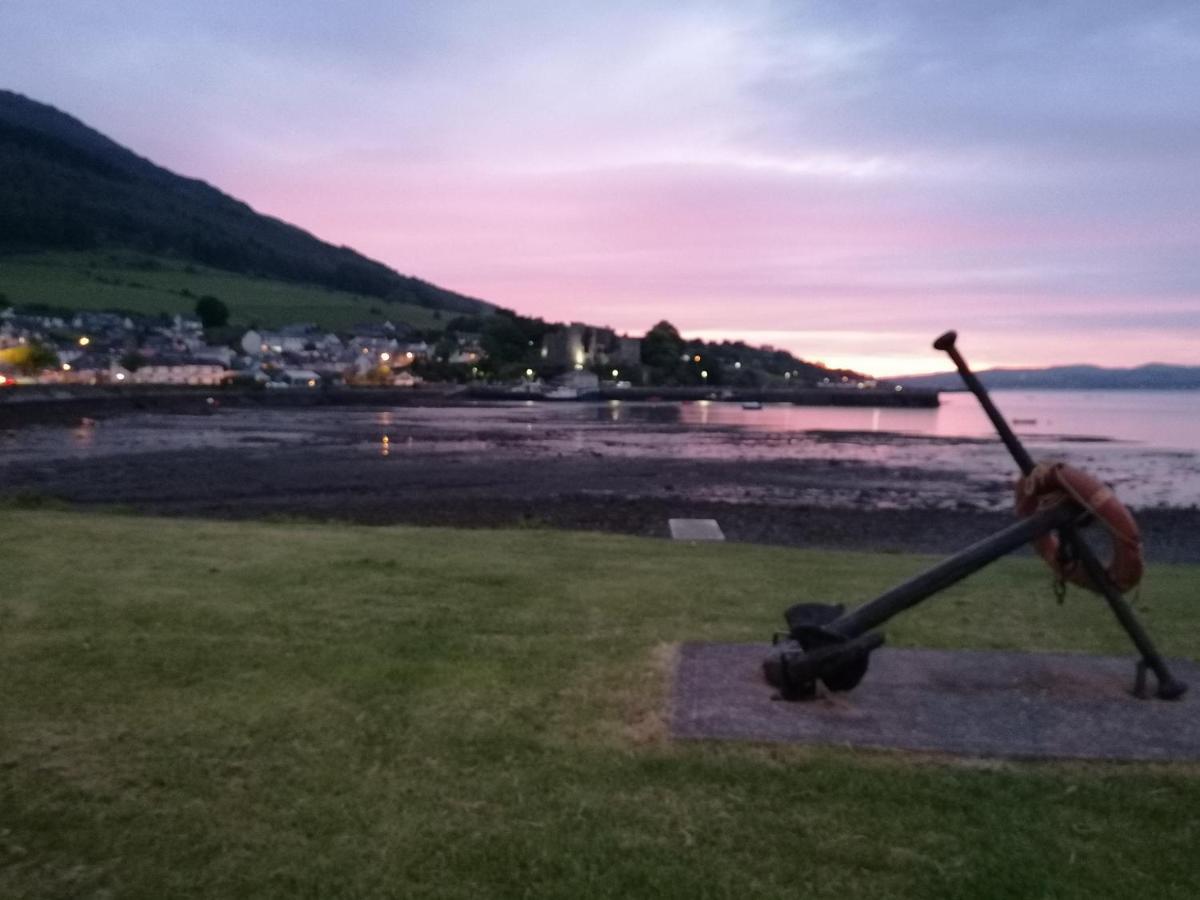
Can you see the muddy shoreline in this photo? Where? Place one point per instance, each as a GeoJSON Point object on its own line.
{"type": "Point", "coordinates": [533, 469]}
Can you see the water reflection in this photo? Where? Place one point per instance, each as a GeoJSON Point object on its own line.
{"type": "Point", "coordinates": [1166, 419]}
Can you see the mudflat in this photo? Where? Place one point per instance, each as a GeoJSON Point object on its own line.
{"type": "Point", "coordinates": [603, 467]}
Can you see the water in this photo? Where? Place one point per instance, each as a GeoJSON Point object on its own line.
{"type": "Point", "coordinates": [1165, 420]}
{"type": "Point", "coordinates": [1145, 444]}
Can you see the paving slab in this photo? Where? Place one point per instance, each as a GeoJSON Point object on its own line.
{"type": "Point", "coordinates": [967, 702]}
{"type": "Point", "coordinates": [695, 530]}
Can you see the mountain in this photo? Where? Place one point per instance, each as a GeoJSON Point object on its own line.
{"type": "Point", "coordinates": [65, 186]}
{"type": "Point", "coordinates": [1150, 376]}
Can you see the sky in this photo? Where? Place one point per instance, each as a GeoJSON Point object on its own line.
{"type": "Point", "coordinates": [843, 180]}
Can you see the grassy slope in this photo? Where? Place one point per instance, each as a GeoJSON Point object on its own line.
{"type": "Point", "coordinates": [83, 281]}
{"type": "Point", "coordinates": [214, 709]}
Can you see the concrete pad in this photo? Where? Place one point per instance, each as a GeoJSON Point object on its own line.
{"type": "Point", "coordinates": [695, 530]}
{"type": "Point", "coordinates": [967, 702]}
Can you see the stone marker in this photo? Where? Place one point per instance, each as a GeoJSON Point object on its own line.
{"type": "Point", "coordinates": [695, 530]}
{"type": "Point", "coordinates": [966, 702]}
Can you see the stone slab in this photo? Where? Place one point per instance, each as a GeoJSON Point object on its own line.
{"type": "Point", "coordinates": [965, 702]}
{"type": "Point", "coordinates": [695, 530]}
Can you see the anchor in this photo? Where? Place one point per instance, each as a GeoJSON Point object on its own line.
{"type": "Point", "coordinates": [826, 644]}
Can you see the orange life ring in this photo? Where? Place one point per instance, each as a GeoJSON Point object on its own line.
{"type": "Point", "coordinates": [1054, 482]}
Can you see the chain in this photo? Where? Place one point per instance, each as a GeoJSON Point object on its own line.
{"type": "Point", "coordinates": [1065, 559]}
{"type": "Point", "coordinates": [1060, 589]}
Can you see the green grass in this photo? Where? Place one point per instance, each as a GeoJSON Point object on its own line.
{"type": "Point", "coordinates": [244, 710]}
{"type": "Point", "coordinates": [121, 280]}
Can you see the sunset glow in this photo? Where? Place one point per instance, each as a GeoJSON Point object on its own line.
{"type": "Point", "coordinates": [841, 180]}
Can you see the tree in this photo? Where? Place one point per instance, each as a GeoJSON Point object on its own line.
{"type": "Point", "coordinates": [29, 358]}
{"type": "Point", "coordinates": [212, 312]}
{"type": "Point", "coordinates": [132, 361]}
{"type": "Point", "coordinates": [662, 347]}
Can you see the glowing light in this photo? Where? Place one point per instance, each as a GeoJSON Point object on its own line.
{"type": "Point", "coordinates": [529, 373]}
{"type": "Point", "coordinates": [120, 376]}
{"type": "Point", "coordinates": [84, 341]}
{"type": "Point", "coordinates": [899, 387]}
{"type": "Point", "coordinates": [704, 373]}
{"type": "Point", "coordinates": [312, 382]}
{"type": "Point", "coordinates": [615, 373]}
{"type": "Point", "coordinates": [738, 364]}
{"type": "Point", "coordinates": [409, 354]}
{"type": "Point", "coordinates": [385, 356]}
{"type": "Point", "coordinates": [66, 367]}
{"type": "Point", "coordinates": [696, 358]}
{"type": "Point", "coordinates": [787, 374]}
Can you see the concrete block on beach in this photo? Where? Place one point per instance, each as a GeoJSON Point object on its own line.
{"type": "Point", "coordinates": [695, 530]}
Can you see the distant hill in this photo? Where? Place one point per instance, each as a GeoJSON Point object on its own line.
{"type": "Point", "coordinates": [1150, 376]}
{"type": "Point", "coordinates": [66, 187]}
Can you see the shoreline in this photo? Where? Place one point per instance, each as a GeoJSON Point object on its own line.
{"type": "Point", "coordinates": [41, 405]}
{"type": "Point", "coordinates": [537, 467]}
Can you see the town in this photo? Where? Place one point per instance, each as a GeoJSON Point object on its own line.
{"type": "Point", "coordinates": [501, 352]}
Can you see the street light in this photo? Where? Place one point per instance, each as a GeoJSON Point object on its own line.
{"type": "Point", "coordinates": [529, 373]}
{"type": "Point", "coordinates": [84, 341]}
{"type": "Point", "coordinates": [615, 373]}
{"type": "Point", "coordinates": [704, 373]}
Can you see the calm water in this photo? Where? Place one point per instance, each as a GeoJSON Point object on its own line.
{"type": "Point", "coordinates": [1167, 420]}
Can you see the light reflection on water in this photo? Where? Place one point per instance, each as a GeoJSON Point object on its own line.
{"type": "Point", "coordinates": [1168, 420]}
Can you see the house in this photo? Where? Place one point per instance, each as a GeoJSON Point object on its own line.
{"type": "Point", "coordinates": [405, 378]}
{"type": "Point", "coordinates": [300, 378]}
{"type": "Point", "coordinates": [304, 338]}
{"type": "Point", "coordinates": [414, 350]}
{"type": "Point", "coordinates": [467, 354]}
{"type": "Point", "coordinates": [220, 355]}
{"type": "Point", "coordinates": [579, 346]}
{"type": "Point", "coordinates": [183, 370]}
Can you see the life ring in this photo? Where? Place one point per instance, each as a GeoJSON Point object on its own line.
{"type": "Point", "coordinates": [1054, 482]}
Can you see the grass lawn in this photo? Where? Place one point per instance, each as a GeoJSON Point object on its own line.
{"type": "Point", "coordinates": [237, 710]}
{"type": "Point", "coordinates": [122, 280]}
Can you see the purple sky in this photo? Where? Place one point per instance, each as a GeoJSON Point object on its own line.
{"type": "Point", "coordinates": [842, 179]}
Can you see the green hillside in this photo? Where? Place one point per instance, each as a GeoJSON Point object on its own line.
{"type": "Point", "coordinates": [67, 187]}
{"type": "Point", "coordinates": [131, 282]}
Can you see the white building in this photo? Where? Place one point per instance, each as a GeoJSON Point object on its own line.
{"type": "Point", "coordinates": [197, 372]}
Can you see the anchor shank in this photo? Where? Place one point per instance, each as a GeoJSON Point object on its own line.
{"type": "Point", "coordinates": [1015, 448]}
{"type": "Point", "coordinates": [1169, 687]}
{"type": "Point", "coordinates": [957, 567]}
